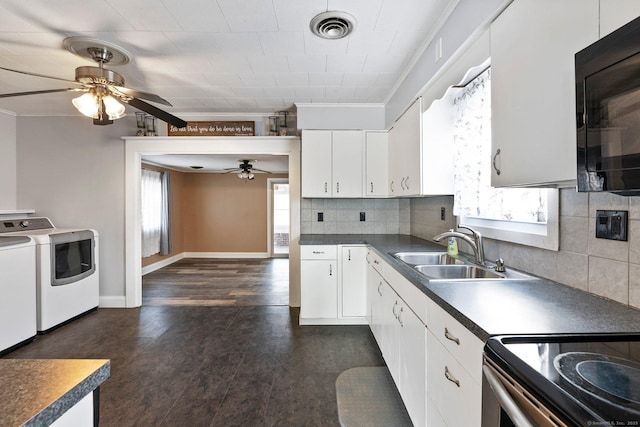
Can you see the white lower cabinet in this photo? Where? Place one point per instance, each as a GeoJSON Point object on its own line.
{"type": "Point", "coordinates": [455, 395]}
{"type": "Point", "coordinates": [353, 281]}
{"type": "Point", "coordinates": [438, 368]}
{"type": "Point", "coordinates": [400, 335]}
{"type": "Point", "coordinates": [318, 283]}
{"type": "Point", "coordinates": [454, 369]}
{"type": "Point", "coordinates": [333, 287]}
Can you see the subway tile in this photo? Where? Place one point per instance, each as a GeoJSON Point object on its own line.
{"type": "Point", "coordinates": [305, 203]}
{"type": "Point", "coordinates": [634, 207]}
{"type": "Point", "coordinates": [609, 279]}
{"type": "Point", "coordinates": [317, 204]}
{"type": "Point", "coordinates": [331, 227]}
{"type": "Point", "coordinates": [317, 228]}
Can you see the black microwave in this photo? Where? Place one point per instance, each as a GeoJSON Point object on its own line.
{"type": "Point", "coordinates": [608, 112]}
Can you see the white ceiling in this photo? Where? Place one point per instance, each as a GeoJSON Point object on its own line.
{"type": "Point", "coordinates": [217, 163]}
{"type": "Point", "coordinates": [213, 56]}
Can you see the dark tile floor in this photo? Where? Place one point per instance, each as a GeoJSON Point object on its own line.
{"type": "Point", "coordinates": [212, 365]}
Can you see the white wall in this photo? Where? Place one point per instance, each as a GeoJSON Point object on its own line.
{"type": "Point", "coordinates": [73, 172]}
{"type": "Point", "coordinates": [7, 162]}
{"type": "Point", "coordinates": [340, 116]}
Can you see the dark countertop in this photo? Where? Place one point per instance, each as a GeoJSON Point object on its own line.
{"type": "Point", "coordinates": [500, 307]}
{"type": "Point", "coordinates": [36, 392]}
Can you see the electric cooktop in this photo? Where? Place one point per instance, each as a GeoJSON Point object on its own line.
{"type": "Point", "coordinates": [587, 380]}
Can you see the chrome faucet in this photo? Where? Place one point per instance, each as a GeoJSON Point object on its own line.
{"type": "Point", "coordinates": [475, 241]}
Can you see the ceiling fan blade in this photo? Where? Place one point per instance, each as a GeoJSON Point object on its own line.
{"type": "Point", "coordinates": [142, 95]}
{"type": "Point", "coordinates": [155, 111]}
{"type": "Point", "coordinates": [37, 92]}
{"type": "Point", "coordinates": [232, 170]}
{"type": "Point", "coordinates": [259, 170]}
{"type": "Point", "coordinates": [40, 75]}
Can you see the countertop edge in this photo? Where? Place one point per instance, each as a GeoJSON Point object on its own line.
{"type": "Point", "coordinates": [61, 405]}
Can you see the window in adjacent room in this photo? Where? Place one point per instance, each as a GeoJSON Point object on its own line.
{"type": "Point", "coordinates": [155, 212]}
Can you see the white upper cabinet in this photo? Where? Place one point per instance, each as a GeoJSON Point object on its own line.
{"type": "Point", "coordinates": [348, 156]}
{"type": "Point", "coordinates": [332, 163]}
{"type": "Point", "coordinates": [437, 149]}
{"type": "Point", "coordinates": [376, 168]}
{"type": "Point", "coordinates": [405, 148]}
{"type": "Point", "coordinates": [533, 44]}
{"type": "Point", "coordinates": [616, 13]}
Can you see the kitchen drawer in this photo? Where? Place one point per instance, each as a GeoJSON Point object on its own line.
{"type": "Point", "coordinates": [408, 292]}
{"type": "Point", "coordinates": [375, 260]}
{"type": "Point", "coordinates": [455, 394]}
{"type": "Point", "coordinates": [457, 339]}
{"type": "Point", "coordinates": [318, 252]}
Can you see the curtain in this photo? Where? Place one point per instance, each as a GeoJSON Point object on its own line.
{"type": "Point", "coordinates": [151, 208]}
{"type": "Point", "coordinates": [473, 194]}
{"type": "Point", "coordinates": [165, 215]}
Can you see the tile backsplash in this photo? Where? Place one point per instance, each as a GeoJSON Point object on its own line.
{"type": "Point", "coordinates": [606, 268]}
{"type": "Point", "coordinates": [342, 216]}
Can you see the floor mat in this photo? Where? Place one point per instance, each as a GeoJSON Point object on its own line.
{"type": "Point", "coordinates": [368, 397]}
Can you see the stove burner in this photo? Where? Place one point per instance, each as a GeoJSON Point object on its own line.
{"type": "Point", "coordinates": [616, 379]}
{"type": "Point", "coordinates": [611, 379]}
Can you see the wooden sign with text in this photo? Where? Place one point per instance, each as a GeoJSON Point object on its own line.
{"type": "Point", "coordinates": [214, 129]}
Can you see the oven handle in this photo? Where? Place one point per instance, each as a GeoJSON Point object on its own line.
{"type": "Point", "coordinates": [504, 398]}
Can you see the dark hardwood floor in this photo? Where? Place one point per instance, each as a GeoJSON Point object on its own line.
{"type": "Point", "coordinates": [214, 282]}
{"type": "Point", "coordinates": [245, 363]}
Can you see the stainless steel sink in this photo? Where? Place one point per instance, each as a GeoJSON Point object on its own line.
{"type": "Point", "coordinates": [457, 272]}
{"type": "Point", "coordinates": [427, 258]}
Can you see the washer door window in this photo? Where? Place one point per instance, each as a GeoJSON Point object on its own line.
{"type": "Point", "coordinates": [72, 257]}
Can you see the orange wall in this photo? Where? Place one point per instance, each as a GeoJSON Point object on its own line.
{"type": "Point", "coordinates": [176, 194]}
{"type": "Point", "coordinates": [223, 213]}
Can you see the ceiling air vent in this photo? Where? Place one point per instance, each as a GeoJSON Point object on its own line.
{"type": "Point", "coordinates": [332, 25]}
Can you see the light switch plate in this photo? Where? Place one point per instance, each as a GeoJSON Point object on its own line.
{"type": "Point", "coordinates": [612, 225]}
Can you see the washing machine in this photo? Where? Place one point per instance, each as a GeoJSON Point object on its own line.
{"type": "Point", "coordinates": [66, 265]}
{"type": "Point", "coordinates": [17, 291]}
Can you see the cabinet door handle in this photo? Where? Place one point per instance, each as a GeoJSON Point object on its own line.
{"type": "Point", "coordinates": [393, 309]}
{"type": "Point", "coordinates": [330, 269]}
{"type": "Point", "coordinates": [349, 255]}
{"type": "Point", "coordinates": [406, 183]}
{"type": "Point", "coordinates": [337, 187]}
{"type": "Point", "coordinates": [375, 261]}
{"type": "Point", "coordinates": [451, 337]}
{"type": "Point", "coordinates": [379, 286]}
{"type": "Point", "coordinates": [494, 161]}
{"type": "Point", "coordinates": [391, 186]}
{"type": "Point", "coordinates": [450, 377]}
{"type": "Point", "coordinates": [372, 186]}
{"type": "Point", "coordinates": [400, 317]}
{"type": "Point", "coordinates": [326, 187]}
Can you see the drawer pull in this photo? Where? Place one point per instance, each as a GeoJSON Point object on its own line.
{"type": "Point", "coordinates": [330, 270]}
{"type": "Point", "coordinates": [450, 377]}
{"type": "Point", "coordinates": [450, 337]}
{"type": "Point", "coordinates": [318, 252]}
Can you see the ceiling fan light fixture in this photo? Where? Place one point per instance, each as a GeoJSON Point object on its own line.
{"type": "Point", "coordinates": [113, 108]}
{"type": "Point", "coordinates": [87, 104]}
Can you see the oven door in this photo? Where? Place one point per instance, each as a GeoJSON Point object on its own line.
{"type": "Point", "coordinates": [505, 403]}
{"type": "Point", "coordinates": [72, 256]}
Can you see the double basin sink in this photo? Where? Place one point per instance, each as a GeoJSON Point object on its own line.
{"type": "Point", "coordinates": [441, 266]}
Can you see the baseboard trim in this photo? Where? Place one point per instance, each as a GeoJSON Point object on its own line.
{"type": "Point", "coordinates": [162, 263]}
{"type": "Point", "coordinates": [341, 321]}
{"type": "Point", "coordinates": [242, 255]}
{"type": "Point", "coordinates": [112, 302]}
